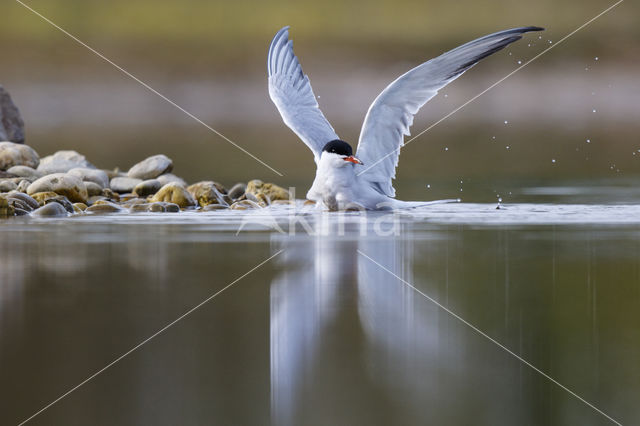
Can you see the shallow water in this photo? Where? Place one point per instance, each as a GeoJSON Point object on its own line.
{"type": "Point", "coordinates": [329, 331]}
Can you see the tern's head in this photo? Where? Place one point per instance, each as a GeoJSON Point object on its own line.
{"type": "Point", "coordinates": [339, 153]}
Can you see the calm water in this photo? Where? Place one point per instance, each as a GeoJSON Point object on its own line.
{"type": "Point", "coordinates": [325, 332]}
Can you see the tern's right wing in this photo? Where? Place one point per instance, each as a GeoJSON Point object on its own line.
{"type": "Point", "coordinates": [291, 91]}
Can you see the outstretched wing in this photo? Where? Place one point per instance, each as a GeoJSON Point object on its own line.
{"type": "Point", "coordinates": [291, 91]}
{"type": "Point", "coordinates": [391, 114]}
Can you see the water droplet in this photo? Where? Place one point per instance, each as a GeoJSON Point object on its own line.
{"type": "Point", "coordinates": [460, 189]}
{"type": "Point", "coordinates": [499, 199]}
{"type": "Point", "coordinates": [519, 62]}
{"type": "Point", "coordinates": [428, 186]}
{"type": "Point", "coordinates": [528, 44]}
{"type": "Point", "coordinates": [507, 146]}
{"type": "Point", "coordinates": [493, 137]}
{"type": "Point", "coordinates": [596, 58]}
{"type": "Point", "coordinates": [539, 37]}
{"type": "Point", "coordinates": [506, 122]}
{"type": "Point", "coordinates": [446, 149]}
{"type": "Point", "coordinates": [553, 160]}
{"type": "Point", "coordinates": [588, 140]}
{"type": "Point", "coordinates": [550, 42]}
{"type": "Point", "coordinates": [509, 53]}
{"type": "Point", "coordinates": [446, 96]}
{"type": "Point", "coordinates": [593, 110]}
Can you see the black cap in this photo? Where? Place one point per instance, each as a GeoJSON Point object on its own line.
{"type": "Point", "coordinates": [338, 147]}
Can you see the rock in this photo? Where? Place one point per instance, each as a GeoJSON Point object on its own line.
{"type": "Point", "coordinates": [62, 201]}
{"type": "Point", "coordinates": [272, 191]}
{"type": "Point", "coordinates": [79, 207]}
{"type": "Point", "coordinates": [25, 172]}
{"type": "Point", "coordinates": [261, 199]}
{"type": "Point", "coordinates": [237, 191]}
{"type": "Point", "coordinates": [13, 154]}
{"type": "Point", "coordinates": [6, 209]}
{"type": "Point", "coordinates": [96, 176]}
{"type": "Point", "coordinates": [174, 193]}
{"type": "Point", "coordinates": [7, 185]}
{"type": "Point", "coordinates": [60, 183]}
{"type": "Point", "coordinates": [23, 185]}
{"type": "Point", "coordinates": [212, 207]}
{"type": "Point", "coordinates": [11, 123]}
{"type": "Point", "coordinates": [50, 210]}
{"type": "Point", "coordinates": [151, 167]}
{"type": "Point", "coordinates": [21, 212]}
{"type": "Point", "coordinates": [42, 197]}
{"type": "Point", "coordinates": [92, 200]}
{"type": "Point", "coordinates": [134, 201]}
{"type": "Point", "coordinates": [245, 205]}
{"type": "Point", "coordinates": [104, 207]}
{"type": "Point", "coordinates": [108, 193]}
{"type": "Point", "coordinates": [124, 184]}
{"type": "Point", "coordinates": [93, 188]}
{"type": "Point", "coordinates": [169, 178]}
{"type": "Point", "coordinates": [147, 187]}
{"type": "Point", "coordinates": [29, 201]}
{"type": "Point", "coordinates": [63, 161]}
{"type": "Point", "coordinates": [206, 193]}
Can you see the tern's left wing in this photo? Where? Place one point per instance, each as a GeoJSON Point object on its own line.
{"type": "Point", "coordinates": [291, 91]}
{"type": "Point", "coordinates": [391, 114]}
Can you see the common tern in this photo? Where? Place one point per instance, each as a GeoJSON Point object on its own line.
{"type": "Point", "coordinates": [364, 181]}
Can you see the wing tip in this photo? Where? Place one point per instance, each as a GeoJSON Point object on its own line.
{"type": "Point", "coordinates": [275, 42]}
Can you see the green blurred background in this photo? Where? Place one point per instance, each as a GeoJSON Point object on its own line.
{"type": "Point", "coordinates": [209, 57]}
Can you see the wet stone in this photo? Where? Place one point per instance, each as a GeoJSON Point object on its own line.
{"type": "Point", "coordinates": [245, 205]}
{"type": "Point", "coordinates": [175, 193]}
{"type": "Point", "coordinates": [237, 191]}
{"type": "Point", "coordinates": [66, 204]}
{"type": "Point", "coordinates": [79, 206]}
{"type": "Point", "coordinates": [93, 188]}
{"type": "Point", "coordinates": [104, 207]}
{"type": "Point", "coordinates": [50, 210]}
{"type": "Point", "coordinates": [147, 187]}
{"type": "Point", "coordinates": [151, 167]}
{"type": "Point", "coordinates": [206, 193]}
{"type": "Point", "coordinates": [31, 202]}
{"type": "Point", "coordinates": [270, 190]}
{"type": "Point", "coordinates": [6, 209]}
{"type": "Point", "coordinates": [212, 207]}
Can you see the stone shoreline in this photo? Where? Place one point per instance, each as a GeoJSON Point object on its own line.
{"type": "Point", "coordinates": [65, 184]}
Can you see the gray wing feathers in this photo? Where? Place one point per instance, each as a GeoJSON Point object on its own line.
{"type": "Point", "coordinates": [391, 114]}
{"type": "Point", "coordinates": [291, 92]}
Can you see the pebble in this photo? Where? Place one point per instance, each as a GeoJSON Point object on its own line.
{"type": "Point", "coordinates": [63, 202]}
{"type": "Point", "coordinates": [151, 167]}
{"type": "Point", "coordinates": [244, 205]}
{"type": "Point", "coordinates": [79, 207]}
{"type": "Point", "coordinates": [124, 184]}
{"type": "Point", "coordinates": [50, 210]}
{"type": "Point", "coordinates": [147, 187]}
{"type": "Point", "coordinates": [6, 209]}
{"type": "Point", "coordinates": [7, 185]}
{"type": "Point", "coordinates": [29, 201]}
{"type": "Point", "coordinates": [93, 188]}
{"type": "Point", "coordinates": [104, 207]}
{"type": "Point", "coordinates": [99, 177]}
{"type": "Point", "coordinates": [271, 190]}
{"type": "Point", "coordinates": [207, 192]}
{"type": "Point", "coordinates": [26, 172]}
{"type": "Point", "coordinates": [23, 185]}
{"type": "Point", "coordinates": [237, 191]}
{"type": "Point", "coordinates": [11, 123]}
{"type": "Point", "coordinates": [60, 183]}
{"type": "Point", "coordinates": [14, 154]}
{"type": "Point", "coordinates": [212, 207]}
{"type": "Point", "coordinates": [169, 178]}
{"type": "Point", "coordinates": [175, 193]}
{"type": "Point", "coordinates": [63, 161]}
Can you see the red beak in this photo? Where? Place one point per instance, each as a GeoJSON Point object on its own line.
{"type": "Point", "coordinates": [353, 160]}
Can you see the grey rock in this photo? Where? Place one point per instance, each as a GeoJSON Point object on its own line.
{"type": "Point", "coordinates": [104, 207]}
{"type": "Point", "coordinates": [26, 172]}
{"type": "Point", "coordinates": [170, 178]}
{"type": "Point", "coordinates": [96, 176]}
{"type": "Point", "coordinates": [63, 202]}
{"type": "Point", "coordinates": [124, 184]}
{"type": "Point", "coordinates": [7, 185]}
{"type": "Point", "coordinates": [151, 167]}
{"type": "Point", "coordinates": [13, 154]}
{"type": "Point", "coordinates": [33, 204]}
{"type": "Point", "coordinates": [50, 210]}
{"type": "Point", "coordinates": [11, 123]}
{"type": "Point", "coordinates": [63, 161]}
{"type": "Point", "coordinates": [63, 184]}
{"type": "Point", "coordinates": [147, 187]}
{"type": "Point", "coordinates": [237, 191]}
